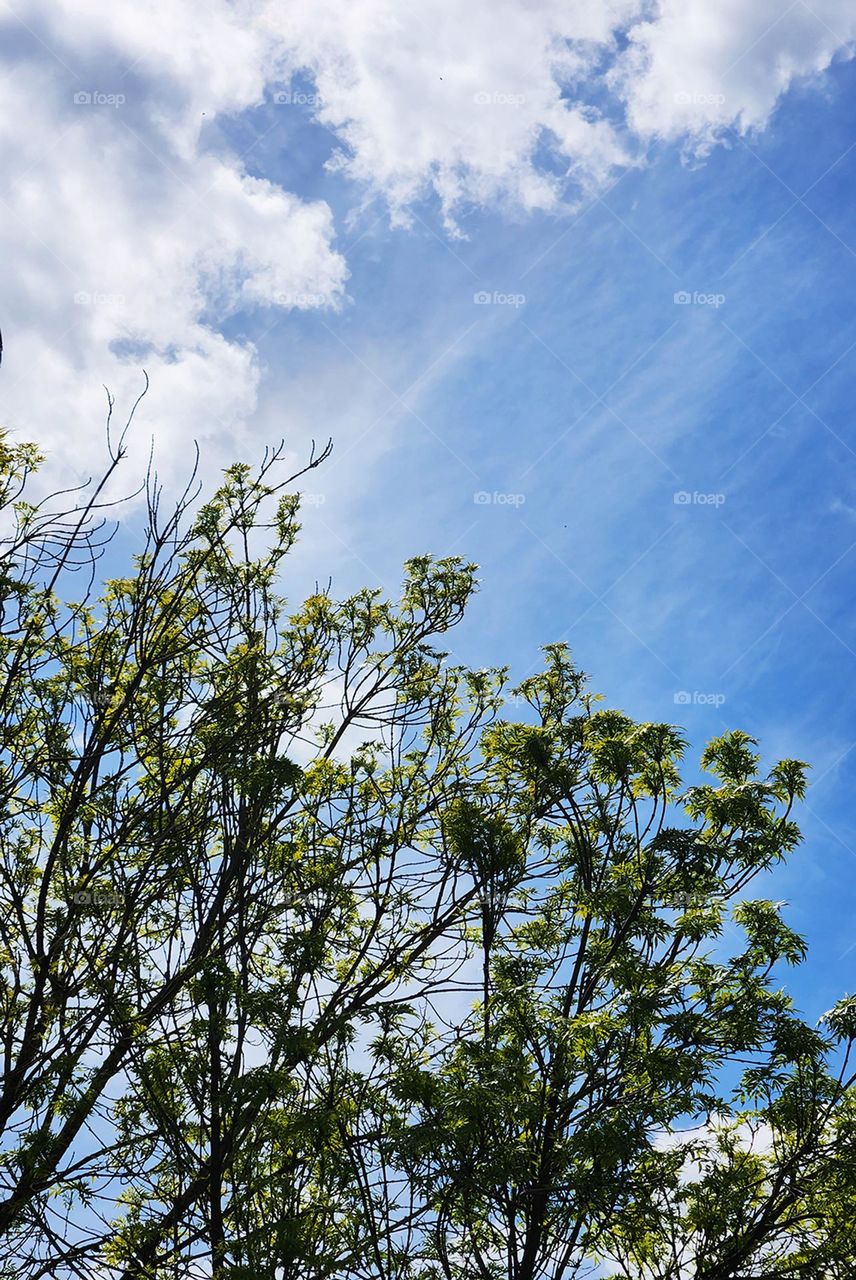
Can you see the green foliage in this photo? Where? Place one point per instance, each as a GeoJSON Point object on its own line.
{"type": "Point", "coordinates": [317, 963]}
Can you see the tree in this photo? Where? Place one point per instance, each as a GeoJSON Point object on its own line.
{"type": "Point", "coordinates": [626, 1093]}
{"type": "Point", "coordinates": [316, 963]}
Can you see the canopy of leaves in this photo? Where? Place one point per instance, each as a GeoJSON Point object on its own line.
{"type": "Point", "coordinates": [316, 962]}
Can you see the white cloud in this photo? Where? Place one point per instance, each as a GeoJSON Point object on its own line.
{"type": "Point", "coordinates": [460, 99]}
{"type": "Point", "coordinates": [494, 102]}
{"type": "Point", "coordinates": [502, 103]}
{"type": "Point", "coordinates": [123, 248]}
{"type": "Point", "coordinates": [756, 1137]}
{"type": "Point", "coordinates": [695, 66]}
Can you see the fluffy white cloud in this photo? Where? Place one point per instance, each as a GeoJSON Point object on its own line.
{"type": "Point", "coordinates": [695, 66]}
{"type": "Point", "coordinates": [462, 99]}
{"type": "Point", "coordinates": [126, 244]}
{"type": "Point", "coordinates": [126, 238]}
{"type": "Point", "coordinates": [504, 102]}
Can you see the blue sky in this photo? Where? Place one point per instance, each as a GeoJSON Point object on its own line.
{"type": "Point", "coordinates": [270, 294]}
{"type": "Point", "coordinates": [597, 400]}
